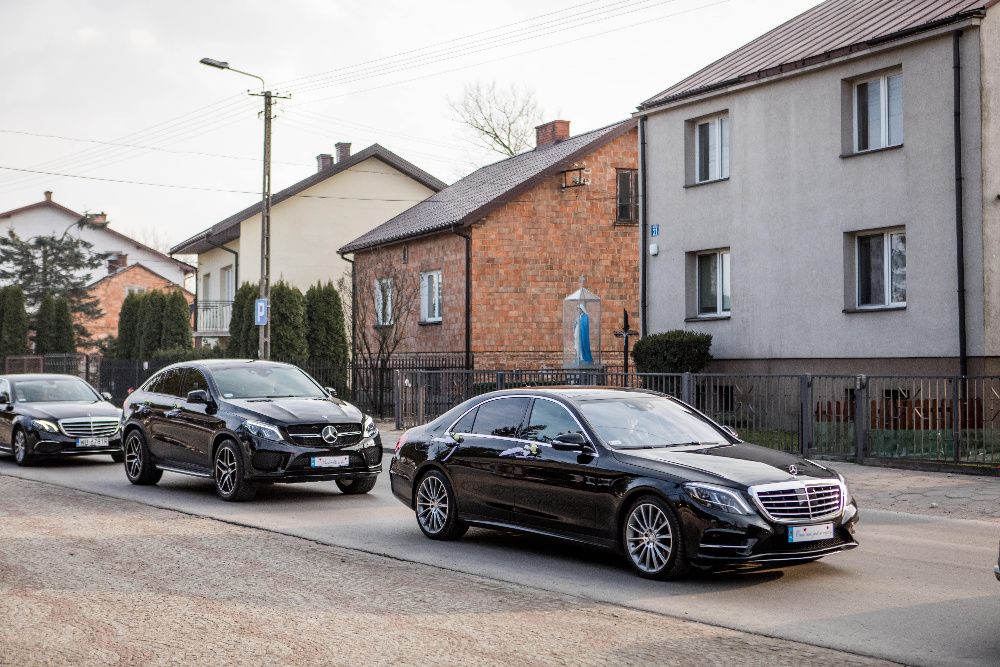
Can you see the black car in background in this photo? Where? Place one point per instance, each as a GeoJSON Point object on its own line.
{"type": "Point", "coordinates": [242, 423]}
{"type": "Point", "coordinates": [43, 416]}
{"type": "Point", "coordinates": [629, 470]}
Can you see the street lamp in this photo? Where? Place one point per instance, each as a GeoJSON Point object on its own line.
{"type": "Point", "coordinates": [264, 341]}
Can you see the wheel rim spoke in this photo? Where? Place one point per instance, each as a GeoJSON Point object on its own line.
{"type": "Point", "coordinates": [133, 457]}
{"type": "Point", "coordinates": [432, 504]}
{"type": "Point", "coordinates": [648, 537]}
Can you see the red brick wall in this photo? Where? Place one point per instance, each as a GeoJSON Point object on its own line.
{"type": "Point", "coordinates": [528, 256]}
{"type": "Point", "coordinates": [111, 292]}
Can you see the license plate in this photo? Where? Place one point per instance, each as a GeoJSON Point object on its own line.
{"type": "Point", "coordinates": [330, 461]}
{"type": "Point", "coordinates": [92, 442]}
{"type": "Point", "coordinates": [823, 531]}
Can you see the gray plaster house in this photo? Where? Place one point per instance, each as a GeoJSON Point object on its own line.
{"type": "Point", "coordinates": [826, 198]}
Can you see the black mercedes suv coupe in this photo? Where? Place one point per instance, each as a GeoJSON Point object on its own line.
{"type": "Point", "coordinates": [49, 416]}
{"type": "Point", "coordinates": [243, 423]}
{"type": "Point", "coordinates": [630, 470]}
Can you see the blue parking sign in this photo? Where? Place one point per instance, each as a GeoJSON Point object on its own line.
{"type": "Point", "coordinates": [260, 312]}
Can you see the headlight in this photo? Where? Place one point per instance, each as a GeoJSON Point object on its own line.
{"type": "Point", "coordinates": [717, 498]}
{"type": "Point", "coordinates": [369, 427]}
{"type": "Point", "coordinates": [261, 430]}
{"type": "Point", "coordinates": [43, 425]}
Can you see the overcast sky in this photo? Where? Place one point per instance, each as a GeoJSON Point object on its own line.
{"type": "Point", "coordinates": [359, 71]}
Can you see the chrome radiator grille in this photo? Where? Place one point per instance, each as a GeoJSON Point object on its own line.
{"type": "Point", "coordinates": [89, 427]}
{"type": "Point", "coordinates": [799, 502]}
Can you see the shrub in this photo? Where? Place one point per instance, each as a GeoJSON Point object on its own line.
{"type": "Point", "coordinates": [13, 322]}
{"type": "Point", "coordinates": [676, 351]}
{"type": "Point", "coordinates": [288, 324]}
{"type": "Point", "coordinates": [326, 334]}
{"type": "Point", "coordinates": [243, 336]}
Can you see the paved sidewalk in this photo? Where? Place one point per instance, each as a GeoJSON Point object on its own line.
{"type": "Point", "coordinates": [88, 580]}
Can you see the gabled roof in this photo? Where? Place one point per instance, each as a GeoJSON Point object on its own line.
{"type": "Point", "coordinates": [48, 203]}
{"type": "Point", "coordinates": [136, 267]}
{"type": "Point", "coordinates": [485, 189]}
{"type": "Point", "coordinates": [229, 229]}
{"type": "Point", "coordinates": [831, 29]}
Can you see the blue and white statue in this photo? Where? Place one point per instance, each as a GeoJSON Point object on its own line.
{"type": "Point", "coordinates": [582, 339]}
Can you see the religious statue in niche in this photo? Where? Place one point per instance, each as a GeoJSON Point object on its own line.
{"type": "Point", "coordinates": [582, 329]}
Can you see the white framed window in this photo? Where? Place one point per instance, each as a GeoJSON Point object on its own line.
{"type": "Point", "coordinates": [227, 285]}
{"type": "Point", "coordinates": [711, 149]}
{"type": "Point", "coordinates": [430, 296]}
{"type": "Point", "coordinates": [134, 289]}
{"type": "Point", "coordinates": [206, 287]}
{"type": "Point", "coordinates": [878, 113]}
{"type": "Point", "coordinates": [383, 302]}
{"type": "Point", "coordinates": [881, 269]}
{"type": "Point", "coordinates": [712, 278]}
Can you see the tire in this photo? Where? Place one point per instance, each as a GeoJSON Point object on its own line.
{"type": "Point", "coordinates": [356, 486]}
{"type": "Point", "coordinates": [229, 472]}
{"type": "Point", "coordinates": [19, 444]}
{"type": "Point", "coordinates": [139, 466]}
{"type": "Point", "coordinates": [436, 508]}
{"type": "Point", "coordinates": [118, 457]}
{"type": "Point", "coordinates": [652, 540]}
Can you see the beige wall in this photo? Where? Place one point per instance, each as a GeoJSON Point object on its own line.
{"type": "Point", "coordinates": [989, 63]}
{"type": "Point", "coordinates": [211, 263]}
{"type": "Point", "coordinates": [306, 231]}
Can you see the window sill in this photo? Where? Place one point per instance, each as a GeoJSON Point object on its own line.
{"type": "Point", "coordinates": [708, 318]}
{"type": "Point", "coordinates": [712, 182]}
{"type": "Point", "coordinates": [429, 323]}
{"type": "Point", "coordinates": [626, 223]}
{"type": "Point", "coordinates": [383, 326]}
{"type": "Point", "coordinates": [846, 156]}
{"type": "Point", "coordinates": [873, 309]}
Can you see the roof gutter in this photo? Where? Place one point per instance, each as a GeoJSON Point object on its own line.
{"type": "Point", "coordinates": [236, 258]}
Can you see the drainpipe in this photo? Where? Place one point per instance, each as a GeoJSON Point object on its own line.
{"type": "Point", "coordinates": [236, 259]}
{"type": "Point", "coordinates": [468, 295]}
{"type": "Point", "coordinates": [963, 360]}
{"type": "Point", "coordinates": [643, 226]}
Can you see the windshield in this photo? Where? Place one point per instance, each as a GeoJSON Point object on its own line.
{"type": "Point", "coordinates": [59, 390]}
{"type": "Point", "coordinates": [255, 381]}
{"type": "Point", "coordinates": [637, 421]}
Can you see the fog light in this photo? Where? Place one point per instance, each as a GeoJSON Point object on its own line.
{"type": "Point", "coordinates": [267, 460]}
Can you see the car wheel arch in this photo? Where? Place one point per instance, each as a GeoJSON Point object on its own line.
{"type": "Point", "coordinates": [221, 438]}
{"type": "Point", "coordinates": [421, 471]}
{"type": "Point", "coordinates": [647, 488]}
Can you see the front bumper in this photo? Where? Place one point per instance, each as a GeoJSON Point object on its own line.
{"type": "Point", "coordinates": [285, 462]}
{"type": "Point", "coordinates": [716, 538]}
{"type": "Point", "coordinates": [46, 443]}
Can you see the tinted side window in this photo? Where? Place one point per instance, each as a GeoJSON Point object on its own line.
{"type": "Point", "coordinates": [464, 424]}
{"type": "Point", "coordinates": [191, 379]}
{"type": "Point", "coordinates": [153, 384]}
{"type": "Point", "coordinates": [502, 417]}
{"type": "Point", "coordinates": [170, 384]}
{"type": "Point", "coordinates": [548, 421]}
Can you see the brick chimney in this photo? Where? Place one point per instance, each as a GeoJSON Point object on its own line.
{"type": "Point", "coordinates": [117, 262]}
{"type": "Point", "coordinates": [551, 133]}
{"type": "Point", "coordinates": [97, 218]}
{"type": "Point", "coordinates": [48, 195]}
{"type": "Point", "coordinates": [324, 161]}
{"type": "Point", "coordinates": [343, 150]}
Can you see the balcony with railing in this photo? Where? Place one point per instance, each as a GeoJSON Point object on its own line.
{"type": "Point", "coordinates": [212, 318]}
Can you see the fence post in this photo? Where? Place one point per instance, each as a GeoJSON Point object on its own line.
{"type": "Point", "coordinates": [398, 391]}
{"type": "Point", "coordinates": [956, 418]}
{"type": "Point", "coordinates": [805, 414]}
{"type": "Point", "coordinates": [861, 422]}
{"type": "Point", "coordinates": [500, 380]}
{"type": "Point", "coordinates": [686, 392]}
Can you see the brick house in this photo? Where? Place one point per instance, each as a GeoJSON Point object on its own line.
{"type": "Point", "coordinates": [492, 257]}
{"type": "Point", "coordinates": [111, 290]}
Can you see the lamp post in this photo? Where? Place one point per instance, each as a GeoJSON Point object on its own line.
{"type": "Point", "coordinates": [264, 341]}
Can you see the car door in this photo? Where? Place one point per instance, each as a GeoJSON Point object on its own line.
{"type": "Point", "coordinates": [479, 472]}
{"type": "Point", "coordinates": [161, 399]}
{"type": "Point", "coordinates": [555, 490]}
{"type": "Point", "coordinates": [7, 414]}
{"type": "Point", "coordinates": [189, 427]}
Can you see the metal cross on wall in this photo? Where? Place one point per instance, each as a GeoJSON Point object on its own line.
{"type": "Point", "coordinates": [625, 333]}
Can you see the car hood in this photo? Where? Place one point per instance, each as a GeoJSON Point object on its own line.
{"type": "Point", "coordinates": [740, 464]}
{"type": "Point", "coordinates": [299, 410]}
{"type": "Point", "coordinates": [57, 411]}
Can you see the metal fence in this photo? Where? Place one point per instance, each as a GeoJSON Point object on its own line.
{"type": "Point", "coordinates": [934, 419]}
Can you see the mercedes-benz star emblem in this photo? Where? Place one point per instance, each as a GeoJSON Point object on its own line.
{"type": "Point", "coordinates": [330, 435]}
{"type": "Point", "coordinates": [792, 470]}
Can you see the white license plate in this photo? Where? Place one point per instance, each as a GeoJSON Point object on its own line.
{"type": "Point", "coordinates": [330, 461]}
{"type": "Point", "coordinates": [823, 531]}
{"type": "Point", "coordinates": [92, 442]}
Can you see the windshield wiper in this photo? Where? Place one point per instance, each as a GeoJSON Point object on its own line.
{"type": "Point", "coordinates": [669, 444]}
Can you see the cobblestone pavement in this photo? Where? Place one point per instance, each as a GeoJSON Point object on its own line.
{"type": "Point", "coordinates": [86, 579]}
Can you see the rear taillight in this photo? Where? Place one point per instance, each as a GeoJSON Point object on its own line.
{"type": "Point", "coordinates": [400, 442]}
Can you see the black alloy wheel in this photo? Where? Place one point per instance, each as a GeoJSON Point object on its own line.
{"type": "Point", "coordinates": [652, 539]}
{"type": "Point", "coordinates": [139, 466]}
{"type": "Point", "coordinates": [356, 486]}
{"type": "Point", "coordinates": [230, 474]}
{"type": "Point", "coordinates": [436, 508]}
{"type": "Point", "coordinates": [22, 456]}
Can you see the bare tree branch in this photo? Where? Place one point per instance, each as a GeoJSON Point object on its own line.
{"type": "Point", "coordinates": [501, 119]}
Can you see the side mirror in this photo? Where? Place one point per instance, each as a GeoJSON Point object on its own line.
{"type": "Point", "coordinates": [570, 442]}
{"type": "Point", "coordinates": [331, 391]}
{"type": "Point", "coordinates": [106, 395]}
{"type": "Point", "coordinates": [199, 396]}
{"type": "Point", "coordinates": [4, 398]}
{"type": "Point", "coordinates": [731, 431]}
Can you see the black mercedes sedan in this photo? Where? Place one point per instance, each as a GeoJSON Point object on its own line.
{"type": "Point", "coordinates": [44, 416]}
{"type": "Point", "coordinates": [629, 470]}
{"type": "Point", "coordinates": [242, 423]}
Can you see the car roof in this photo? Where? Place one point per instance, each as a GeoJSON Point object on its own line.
{"type": "Point", "coordinates": [40, 376]}
{"type": "Point", "coordinates": [212, 364]}
{"type": "Point", "coordinates": [576, 392]}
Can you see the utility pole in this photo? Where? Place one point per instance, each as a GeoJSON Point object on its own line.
{"type": "Point", "coordinates": [264, 329]}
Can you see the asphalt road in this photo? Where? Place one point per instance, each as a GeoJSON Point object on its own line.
{"type": "Point", "coordinates": [920, 590]}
